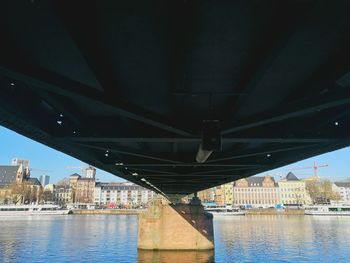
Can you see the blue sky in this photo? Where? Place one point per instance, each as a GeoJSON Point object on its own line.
{"type": "Point", "coordinates": [44, 158]}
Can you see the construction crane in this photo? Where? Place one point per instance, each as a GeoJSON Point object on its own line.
{"type": "Point", "coordinates": [40, 170]}
{"type": "Point", "coordinates": [315, 167]}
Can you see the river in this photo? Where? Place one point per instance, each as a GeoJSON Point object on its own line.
{"type": "Point", "coordinates": [113, 238]}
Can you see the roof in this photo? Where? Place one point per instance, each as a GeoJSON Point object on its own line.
{"type": "Point", "coordinates": [8, 174]}
{"type": "Point", "coordinates": [75, 175]}
{"type": "Point", "coordinates": [342, 184]}
{"type": "Point", "coordinates": [33, 181]}
{"type": "Point", "coordinates": [103, 184]}
{"type": "Point", "coordinates": [57, 187]}
{"type": "Point", "coordinates": [255, 181]}
{"type": "Point", "coordinates": [291, 177]}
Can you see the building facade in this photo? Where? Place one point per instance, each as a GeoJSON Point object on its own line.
{"type": "Point", "coordinates": [16, 185]}
{"type": "Point", "coordinates": [84, 192]}
{"type": "Point", "coordinates": [218, 198]}
{"type": "Point", "coordinates": [121, 194]}
{"type": "Point", "coordinates": [12, 174]}
{"type": "Point", "coordinates": [256, 192]}
{"type": "Point", "coordinates": [62, 194]}
{"type": "Point", "coordinates": [90, 172]}
{"type": "Point", "coordinates": [73, 181]}
{"type": "Point", "coordinates": [292, 191]}
{"type": "Point", "coordinates": [44, 180]}
{"type": "Point", "coordinates": [207, 195]}
{"type": "Point", "coordinates": [227, 193]}
{"type": "Point", "coordinates": [18, 162]}
{"type": "Point", "coordinates": [343, 189]}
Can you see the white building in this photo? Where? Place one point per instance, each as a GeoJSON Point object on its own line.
{"type": "Point", "coordinates": [90, 172]}
{"type": "Point", "coordinates": [343, 188]}
{"type": "Point", "coordinates": [121, 194]}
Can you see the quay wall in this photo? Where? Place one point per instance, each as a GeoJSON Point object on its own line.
{"type": "Point", "coordinates": [107, 211]}
{"type": "Point", "coordinates": [139, 211]}
{"type": "Point", "coordinates": [274, 212]}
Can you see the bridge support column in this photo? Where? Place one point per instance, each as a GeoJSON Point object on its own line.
{"type": "Point", "coordinates": [175, 227]}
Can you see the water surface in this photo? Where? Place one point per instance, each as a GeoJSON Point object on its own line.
{"type": "Point", "coordinates": [111, 238]}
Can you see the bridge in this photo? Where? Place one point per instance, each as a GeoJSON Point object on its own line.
{"type": "Point", "coordinates": [178, 96]}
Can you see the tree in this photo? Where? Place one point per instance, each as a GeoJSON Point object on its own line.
{"type": "Point", "coordinates": [5, 195]}
{"type": "Point", "coordinates": [312, 187]}
{"type": "Point", "coordinates": [321, 191]}
{"type": "Point", "coordinates": [25, 193]}
{"type": "Point", "coordinates": [47, 196]}
{"type": "Point", "coordinates": [17, 193]}
{"type": "Point", "coordinates": [63, 182]}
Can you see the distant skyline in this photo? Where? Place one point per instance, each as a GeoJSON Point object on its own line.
{"type": "Point", "coordinates": [41, 157]}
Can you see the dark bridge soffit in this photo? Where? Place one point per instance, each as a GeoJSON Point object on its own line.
{"type": "Point", "coordinates": [87, 94]}
{"type": "Point", "coordinates": [279, 93]}
{"type": "Point", "coordinates": [193, 140]}
{"type": "Point", "coordinates": [322, 102]}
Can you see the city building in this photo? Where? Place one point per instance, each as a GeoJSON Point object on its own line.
{"type": "Point", "coordinates": [84, 192]}
{"type": "Point", "coordinates": [73, 181]}
{"type": "Point", "coordinates": [292, 191]}
{"type": "Point", "coordinates": [82, 188]}
{"type": "Point", "coordinates": [227, 193]}
{"type": "Point", "coordinates": [10, 174]}
{"type": "Point", "coordinates": [221, 195]}
{"type": "Point", "coordinates": [18, 162]}
{"type": "Point", "coordinates": [44, 180]}
{"type": "Point", "coordinates": [121, 194]}
{"type": "Point", "coordinates": [207, 195]}
{"type": "Point", "coordinates": [62, 194]}
{"type": "Point", "coordinates": [256, 192]}
{"type": "Point", "coordinates": [343, 188]}
{"type": "Point", "coordinates": [90, 172]}
{"type": "Point", "coordinates": [16, 185]}
{"type": "Point", "coordinates": [218, 198]}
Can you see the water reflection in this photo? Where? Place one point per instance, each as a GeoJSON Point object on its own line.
{"type": "Point", "coordinates": [278, 238]}
{"type": "Point", "coordinates": [104, 238]}
{"type": "Point", "coordinates": [151, 256]}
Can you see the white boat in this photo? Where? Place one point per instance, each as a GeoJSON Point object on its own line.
{"type": "Point", "coordinates": [224, 211]}
{"type": "Point", "coordinates": [21, 210]}
{"type": "Point", "coordinates": [328, 210]}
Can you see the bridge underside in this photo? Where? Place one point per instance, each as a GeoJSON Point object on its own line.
{"type": "Point", "coordinates": [140, 88]}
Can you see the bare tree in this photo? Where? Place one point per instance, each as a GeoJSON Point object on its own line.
{"type": "Point", "coordinates": [63, 182]}
{"type": "Point", "coordinates": [47, 196]}
{"type": "Point", "coordinates": [25, 193]}
{"type": "Point", "coordinates": [5, 195]}
{"type": "Point", "coordinates": [17, 193]}
{"type": "Point", "coordinates": [321, 191]}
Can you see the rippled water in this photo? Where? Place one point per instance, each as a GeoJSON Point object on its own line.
{"type": "Point", "coordinates": [109, 238]}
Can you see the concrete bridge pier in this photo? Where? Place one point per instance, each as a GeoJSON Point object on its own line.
{"type": "Point", "coordinates": [165, 226]}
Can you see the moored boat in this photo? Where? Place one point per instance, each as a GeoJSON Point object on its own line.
{"type": "Point", "coordinates": [224, 211]}
{"type": "Point", "coordinates": [328, 210]}
{"type": "Point", "coordinates": [21, 210]}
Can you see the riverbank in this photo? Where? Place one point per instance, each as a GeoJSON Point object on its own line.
{"type": "Point", "coordinates": [138, 211]}
{"type": "Point", "coordinates": [107, 211]}
{"type": "Point", "coordinates": [275, 212]}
